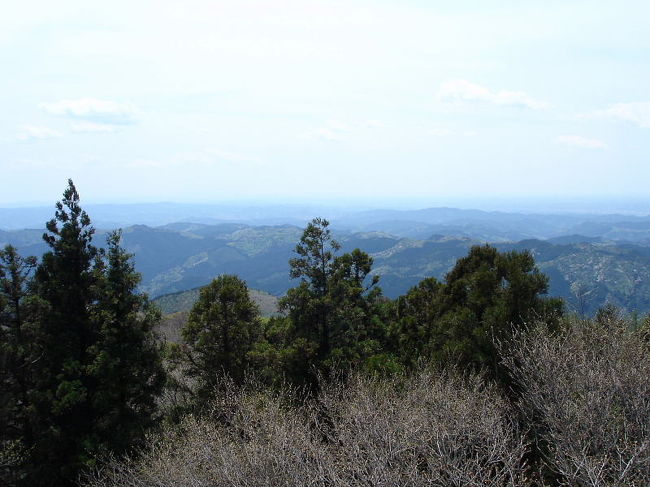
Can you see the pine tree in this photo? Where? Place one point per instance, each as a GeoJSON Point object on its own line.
{"type": "Point", "coordinates": [334, 311]}
{"type": "Point", "coordinates": [309, 304]}
{"type": "Point", "coordinates": [222, 328]}
{"type": "Point", "coordinates": [65, 280]}
{"type": "Point", "coordinates": [99, 369]}
{"type": "Point", "coordinates": [414, 314]}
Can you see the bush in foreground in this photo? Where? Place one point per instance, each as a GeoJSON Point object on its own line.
{"type": "Point", "coordinates": [429, 429]}
{"type": "Point", "coordinates": [586, 394]}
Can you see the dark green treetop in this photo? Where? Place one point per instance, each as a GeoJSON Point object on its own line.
{"type": "Point", "coordinates": [483, 298]}
{"type": "Point", "coordinates": [333, 312]}
{"type": "Point", "coordinates": [99, 369]}
{"type": "Point", "coordinates": [221, 330]}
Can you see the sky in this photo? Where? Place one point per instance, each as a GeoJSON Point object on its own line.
{"type": "Point", "coordinates": [301, 100]}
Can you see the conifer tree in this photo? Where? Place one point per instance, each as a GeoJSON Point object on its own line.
{"type": "Point", "coordinates": [221, 330]}
{"type": "Point", "coordinates": [309, 304]}
{"type": "Point", "coordinates": [65, 280]}
{"type": "Point", "coordinates": [484, 298]}
{"type": "Point", "coordinates": [127, 365]}
{"type": "Point", "coordinates": [99, 369]}
{"type": "Point", "coordinates": [333, 313]}
{"type": "Point", "coordinates": [17, 357]}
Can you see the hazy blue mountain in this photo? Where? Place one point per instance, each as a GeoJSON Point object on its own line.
{"type": "Point", "coordinates": [598, 258]}
{"type": "Point", "coordinates": [492, 226]}
{"type": "Point", "coordinates": [110, 216]}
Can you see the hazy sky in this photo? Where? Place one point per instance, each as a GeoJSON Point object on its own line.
{"type": "Point", "coordinates": [200, 100]}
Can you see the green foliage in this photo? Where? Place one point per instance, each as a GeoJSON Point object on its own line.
{"type": "Point", "coordinates": [17, 356]}
{"type": "Point", "coordinates": [65, 281]}
{"type": "Point", "coordinates": [221, 330]}
{"type": "Point", "coordinates": [411, 332]}
{"type": "Point", "coordinates": [334, 319]}
{"type": "Point", "coordinates": [92, 363]}
{"type": "Point", "coordinates": [484, 297]}
{"type": "Point", "coordinates": [81, 366]}
{"type": "Point", "coordinates": [126, 358]}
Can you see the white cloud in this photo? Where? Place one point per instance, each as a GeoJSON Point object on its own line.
{"type": "Point", "coordinates": [441, 132]}
{"type": "Point", "coordinates": [446, 132]}
{"type": "Point", "coordinates": [93, 110]}
{"type": "Point", "coordinates": [325, 133]}
{"type": "Point", "coordinates": [29, 132]}
{"type": "Point", "coordinates": [336, 131]}
{"type": "Point", "coordinates": [333, 131]}
{"type": "Point", "coordinates": [202, 158]}
{"type": "Point", "coordinates": [143, 163]}
{"type": "Point", "coordinates": [579, 141]}
{"type": "Point", "coordinates": [458, 91]}
{"type": "Point", "coordinates": [229, 156]}
{"type": "Point", "coordinates": [84, 127]}
{"type": "Point", "coordinates": [636, 112]}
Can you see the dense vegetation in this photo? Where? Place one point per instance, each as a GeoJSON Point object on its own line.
{"type": "Point", "coordinates": [475, 379]}
{"type": "Point", "coordinates": [80, 366]}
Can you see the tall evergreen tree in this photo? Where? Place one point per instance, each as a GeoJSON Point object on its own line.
{"type": "Point", "coordinates": [309, 304]}
{"type": "Point", "coordinates": [99, 369]}
{"type": "Point", "coordinates": [17, 357]}
{"type": "Point", "coordinates": [127, 365]}
{"type": "Point", "coordinates": [65, 280]}
{"type": "Point", "coordinates": [357, 331]}
{"type": "Point", "coordinates": [333, 312]}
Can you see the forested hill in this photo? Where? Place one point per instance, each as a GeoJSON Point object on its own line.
{"type": "Point", "coordinates": [585, 270]}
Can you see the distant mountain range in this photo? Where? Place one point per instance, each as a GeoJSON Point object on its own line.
{"type": "Point", "coordinates": [492, 226]}
{"type": "Point", "coordinates": [596, 260]}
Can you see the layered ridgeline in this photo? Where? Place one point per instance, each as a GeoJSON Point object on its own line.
{"type": "Point", "coordinates": [587, 271]}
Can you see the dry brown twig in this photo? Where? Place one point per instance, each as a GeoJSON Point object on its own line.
{"type": "Point", "coordinates": [430, 429]}
{"type": "Point", "coordinates": [587, 391]}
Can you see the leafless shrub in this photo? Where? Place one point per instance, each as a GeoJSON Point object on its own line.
{"type": "Point", "coordinates": [587, 390]}
{"type": "Point", "coordinates": [429, 429]}
{"type": "Point", "coordinates": [425, 430]}
{"type": "Point", "coordinates": [250, 439]}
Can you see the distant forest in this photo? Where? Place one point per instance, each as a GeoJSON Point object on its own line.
{"type": "Point", "coordinates": [477, 376]}
{"type": "Point", "coordinates": [591, 260]}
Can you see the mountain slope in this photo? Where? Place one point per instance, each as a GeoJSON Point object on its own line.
{"type": "Point", "coordinates": [586, 271]}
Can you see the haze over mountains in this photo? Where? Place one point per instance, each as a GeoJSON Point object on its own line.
{"type": "Point", "coordinates": [551, 221]}
{"type": "Point", "coordinates": [591, 259]}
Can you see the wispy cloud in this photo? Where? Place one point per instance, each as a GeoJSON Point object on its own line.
{"type": "Point", "coordinates": [324, 133]}
{"type": "Point", "coordinates": [30, 132]}
{"type": "Point", "coordinates": [579, 141]}
{"type": "Point", "coordinates": [333, 131]}
{"type": "Point", "coordinates": [229, 156]}
{"type": "Point", "coordinates": [447, 132]}
{"type": "Point", "coordinates": [459, 91]}
{"type": "Point", "coordinates": [92, 127]}
{"type": "Point", "coordinates": [336, 131]}
{"type": "Point", "coordinates": [208, 157]}
{"type": "Point", "coordinates": [143, 164]}
{"type": "Point", "coordinates": [93, 110]}
{"type": "Point", "coordinates": [635, 112]}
